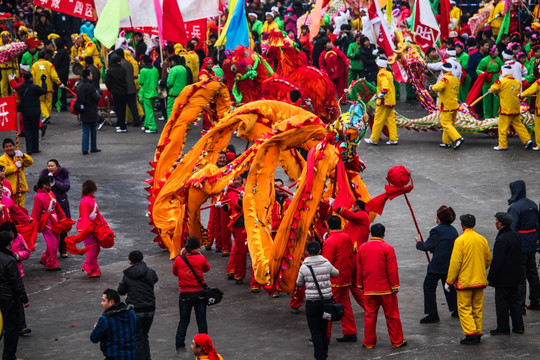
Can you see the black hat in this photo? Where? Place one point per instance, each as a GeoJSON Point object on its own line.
{"type": "Point", "coordinates": [447, 66]}
{"type": "Point", "coordinates": [504, 218]}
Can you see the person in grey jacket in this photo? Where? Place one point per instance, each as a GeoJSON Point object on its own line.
{"type": "Point", "coordinates": [323, 270]}
{"type": "Point", "coordinates": [138, 283]}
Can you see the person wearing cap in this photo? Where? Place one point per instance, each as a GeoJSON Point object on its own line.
{"type": "Point", "coordinates": [534, 90]}
{"type": "Point", "coordinates": [203, 349]}
{"type": "Point", "coordinates": [450, 59]}
{"type": "Point", "coordinates": [448, 89]}
{"type": "Point", "coordinates": [386, 102]}
{"type": "Point", "coordinates": [290, 20]}
{"type": "Point", "coordinates": [30, 57]}
{"type": "Point", "coordinates": [336, 64]}
{"type": "Point", "coordinates": [270, 23]}
{"type": "Point", "coordinates": [74, 50]}
{"type": "Point", "coordinates": [86, 47]}
{"type": "Point", "coordinates": [467, 273]}
{"type": "Point", "coordinates": [491, 65]}
{"type": "Point", "coordinates": [254, 23]}
{"type": "Point", "coordinates": [495, 18]}
{"type": "Point", "coordinates": [440, 243]}
{"type": "Point", "coordinates": [508, 89]}
{"type": "Point", "coordinates": [277, 18]}
{"type": "Point", "coordinates": [8, 67]}
{"type": "Point", "coordinates": [524, 214]}
{"type": "Point", "coordinates": [43, 27]}
{"type": "Point", "coordinates": [40, 68]}
{"type": "Point", "coordinates": [506, 276]}
{"type": "Point", "coordinates": [517, 69]}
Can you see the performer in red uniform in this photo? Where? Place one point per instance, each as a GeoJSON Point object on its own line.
{"type": "Point", "coordinates": [280, 207]}
{"type": "Point", "coordinates": [336, 64]}
{"type": "Point", "coordinates": [377, 274]}
{"type": "Point", "coordinates": [219, 219]}
{"type": "Point", "coordinates": [338, 249]}
{"type": "Point", "coordinates": [358, 229]}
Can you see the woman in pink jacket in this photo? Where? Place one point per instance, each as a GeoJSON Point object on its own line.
{"type": "Point", "coordinates": [88, 214]}
{"type": "Point", "coordinates": [47, 213]}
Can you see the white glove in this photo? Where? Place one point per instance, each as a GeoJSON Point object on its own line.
{"type": "Point", "coordinates": [218, 204]}
{"type": "Point", "coordinates": [62, 86]}
{"type": "Point", "coordinates": [76, 58]}
{"type": "Point", "coordinates": [18, 164]}
{"type": "Point", "coordinates": [331, 201]}
{"type": "Point", "coordinates": [11, 76]}
{"type": "Point", "coordinates": [375, 52]}
{"type": "Point", "coordinates": [350, 66]}
{"type": "Point", "coordinates": [50, 174]}
{"type": "Point", "coordinates": [497, 16]}
{"type": "Point", "coordinates": [446, 287]}
{"type": "Point", "coordinates": [242, 193]}
{"type": "Point", "coordinates": [489, 91]}
{"type": "Point", "coordinates": [380, 96]}
{"type": "Point", "coordinates": [19, 153]}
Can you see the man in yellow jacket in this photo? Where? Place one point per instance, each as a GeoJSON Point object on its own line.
{"type": "Point", "coordinates": [386, 102]}
{"type": "Point", "coordinates": [508, 89]}
{"type": "Point", "coordinates": [496, 16]}
{"type": "Point", "coordinates": [467, 272]}
{"type": "Point", "coordinates": [534, 89]}
{"type": "Point", "coordinates": [14, 162]}
{"type": "Point", "coordinates": [44, 67]}
{"type": "Point", "coordinates": [448, 89]}
{"type": "Point", "coordinates": [86, 47]}
{"type": "Point", "coordinates": [7, 67]}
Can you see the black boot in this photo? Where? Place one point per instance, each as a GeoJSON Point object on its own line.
{"type": "Point", "coordinates": [430, 319]}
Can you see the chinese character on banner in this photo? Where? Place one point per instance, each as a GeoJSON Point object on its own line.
{"type": "Point", "coordinates": [78, 8]}
{"type": "Point", "coordinates": [8, 114]}
{"type": "Point", "coordinates": [196, 28]}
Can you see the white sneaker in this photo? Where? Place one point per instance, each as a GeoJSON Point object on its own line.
{"type": "Point", "coordinates": [370, 142]}
{"type": "Point", "coordinates": [148, 131]}
{"type": "Point", "coordinates": [100, 124]}
{"type": "Point", "coordinates": [446, 146]}
{"type": "Point", "coordinates": [393, 142]}
{"type": "Point", "coordinates": [143, 128]}
{"type": "Point", "coordinates": [528, 145]}
{"type": "Point", "coordinates": [536, 148]}
{"type": "Point", "coordinates": [121, 130]}
{"type": "Point", "coordinates": [118, 127]}
{"type": "Point", "coordinates": [496, 148]}
{"type": "Point", "coordinates": [161, 118]}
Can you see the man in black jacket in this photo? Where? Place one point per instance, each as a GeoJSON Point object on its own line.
{"type": "Point", "coordinates": [140, 45]}
{"type": "Point", "coordinates": [115, 80]}
{"type": "Point", "coordinates": [525, 216]}
{"type": "Point", "coordinates": [88, 97]}
{"type": "Point", "coordinates": [12, 294]}
{"type": "Point", "coordinates": [61, 63]}
{"type": "Point", "coordinates": [131, 88]}
{"type": "Point", "coordinates": [506, 275]}
{"type": "Point", "coordinates": [96, 74]}
{"type": "Point", "coordinates": [29, 94]}
{"type": "Point", "coordinates": [368, 56]}
{"type": "Point", "coordinates": [138, 283]}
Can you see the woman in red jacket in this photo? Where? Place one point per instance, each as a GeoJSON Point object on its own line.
{"type": "Point", "coordinates": [191, 292]}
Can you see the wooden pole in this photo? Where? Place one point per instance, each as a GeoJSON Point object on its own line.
{"type": "Point", "coordinates": [416, 224]}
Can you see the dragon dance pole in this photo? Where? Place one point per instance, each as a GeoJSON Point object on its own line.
{"type": "Point", "coordinates": [416, 224]}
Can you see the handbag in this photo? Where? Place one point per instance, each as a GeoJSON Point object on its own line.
{"type": "Point", "coordinates": [332, 311]}
{"type": "Point", "coordinates": [213, 294]}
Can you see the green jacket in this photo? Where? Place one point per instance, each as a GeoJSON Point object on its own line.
{"type": "Point", "coordinates": [148, 82]}
{"type": "Point", "coordinates": [177, 79]}
{"type": "Point", "coordinates": [257, 26]}
{"type": "Point", "coordinates": [492, 66]}
{"type": "Point", "coordinates": [28, 59]}
{"type": "Point", "coordinates": [353, 53]}
{"type": "Point", "coordinates": [280, 23]}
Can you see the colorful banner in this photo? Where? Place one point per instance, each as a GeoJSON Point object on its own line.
{"type": "Point", "coordinates": [78, 8]}
{"type": "Point", "coordinates": [8, 114]}
{"type": "Point", "coordinates": [196, 28]}
{"type": "Point", "coordinates": [425, 28]}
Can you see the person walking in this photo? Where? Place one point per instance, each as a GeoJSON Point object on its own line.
{"type": "Point", "coordinates": [14, 162]}
{"type": "Point", "coordinates": [190, 267]}
{"type": "Point", "coordinates": [60, 188]}
{"type": "Point", "coordinates": [377, 274]}
{"type": "Point", "coordinates": [138, 283]}
{"type": "Point", "coordinates": [45, 67]}
{"type": "Point", "coordinates": [116, 328]}
{"type": "Point", "coordinates": [148, 81]}
{"type": "Point", "coordinates": [467, 272]}
{"type": "Point", "coordinates": [524, 214]}
{"type": "Point", "coordinates": [506, 276]}
{"type": "Point", "coordinates": [441, 243]}
{"type": "Point", "coordinates": [88, 97]}
{"type": "Point", "coordinates": [315, 274]}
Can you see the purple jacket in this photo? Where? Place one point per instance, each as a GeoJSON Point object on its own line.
{"type": "Point", "coordinates": [60, 188]}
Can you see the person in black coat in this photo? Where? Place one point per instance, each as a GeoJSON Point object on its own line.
{"type": "Point", "coordinates": [61, 63]}
{"type": "Point", "coordinates": [29, 94]}
{"type": "Point", "coordinates": [368, 56]}
{"type": "Point", "coordinates": [96, 74]}
{"type": "Point", "coordinates": [138, 283]}
{"type": "Point", "coordinates": [43, 27]}
{"type": "Point", "coordinates": [506, 275]}
{"type": "Point", "coordinates": [88, 97]}
{"type": "Point", "coordinates": [12, 294]}
{"type": "Point", "coordinates": [115, 80]}
{"type": "Point", "coordinates": [525, 216]}
{"type": "Point", "coordinates": [140, 45]}
{"type": "Point", "coordinates": [345, 38]}
{"type": "Point", "coordinates": [441, 243]}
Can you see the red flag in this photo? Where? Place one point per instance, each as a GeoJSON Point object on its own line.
{"type": "Point", "coordinates": [425, 28]}
{"type": "Point", "coordinates": [445, 18]}
{"type": "Point", "coordinates": [8, 114]}
{"type": "Point", "coordinates": [173, 24]}
{"type": "Point", "coordinates": [80, 8]}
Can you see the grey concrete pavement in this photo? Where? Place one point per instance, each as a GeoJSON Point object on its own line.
{"type": "Point", "coordinates": [65, 305]}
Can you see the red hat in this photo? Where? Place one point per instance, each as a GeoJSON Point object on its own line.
{"type": "Point", "coordinates": [205, 343]}
{"type": "Point", "coordinates": [33, 43]}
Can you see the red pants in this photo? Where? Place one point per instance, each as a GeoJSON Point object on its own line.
{"type": "Point", "coordinates": [340, 83]}
{"type": "Point", "coordinates": [391, 312]}
{"type": "Point", "coordinates": [213, 226]}
{"type": "Point", "coordinates": [298, 297]}
{"type": "Point", "coordinates": [218, 230]}
{"type": "Point", "coordinates": [237, 261]}
{"type": "Point", "coordinates": [358, 296]}
{"type": "Point", "coordinates": [348, 326]}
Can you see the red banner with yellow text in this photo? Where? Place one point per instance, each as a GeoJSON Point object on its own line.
{"type": "Point", "coordinates": [8, 114]}
{"type": "Point", "coordinates": [78, 8]}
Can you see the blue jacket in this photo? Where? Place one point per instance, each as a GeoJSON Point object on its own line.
{"type": "Point", "coordinates": [525, 215]}
{"type": "Point", "coordinates": [115, 331]}
{"type": "Point", "coordinates": [441, 243]}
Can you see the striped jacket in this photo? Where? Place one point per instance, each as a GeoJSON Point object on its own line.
{"type": "Point", "coordinates": [323, 270]}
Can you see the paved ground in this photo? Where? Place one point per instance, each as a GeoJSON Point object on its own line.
{"type": "Point", "coordinates": [65, 305]}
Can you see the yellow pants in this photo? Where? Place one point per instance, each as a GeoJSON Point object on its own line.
{"type": "Point", "coordinates": [384, 115]}
{"type": "Point", "coordinates": [505, 121]}
{"type": "Point", "coordinates": [470, 304]}
{"type": "Point", "coordinates": [4, 83]}
{"type": "Point", "coordinates": [19, 198]}
{"type": "Point", "coordinates": [537, 130]}
{"type": "Point", "coordinates": [129, 115]}
{"type": "Point", "coordinates": [449, 131]}
{"type": "Point", "coordinates": [45, 101]}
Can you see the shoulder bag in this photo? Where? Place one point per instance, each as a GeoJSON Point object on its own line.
{"type": "Point", "coordinates": [332, 311]}
{"type": "Point", "coordinates": [213, 294]}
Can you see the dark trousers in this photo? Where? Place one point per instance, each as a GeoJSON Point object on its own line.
{"type": "Point", "coordinates": [507, 300]}
{"type": "Point", "coordinates": [31, 132]}
{"type": "Point", "coordinates": [318, 327]}
{"type": "Point", "coordinates": [186, 302]}
{"type": "Point", "coordinates": [531, 274]}
{"type": "Point", "coordinates": [430, 294]}
{"type": "Point", "coordinates": [12, 327]}
{"type": "Point", "coordinates": [62, 244]}
{"type": "Point", "coordinates": [132, 104]}
{"type": "Point", "coordinates": [120, 103]}
{"type": "Point", "coordinates": [89, 136]}
{"type": "Point", "coordinates": [141, 339]}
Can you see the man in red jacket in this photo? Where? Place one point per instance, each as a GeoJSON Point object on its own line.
{"type": "Point", "coordinates": [358, 229]}
{"type": "Point", "coordinates": [338, 249]}
{"type": "Point", "coordinates": [336, 64]}
{"type": "Point", "coordinates": [219, 219]}
{"type": "Point", "coordinates": [377, 274]}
